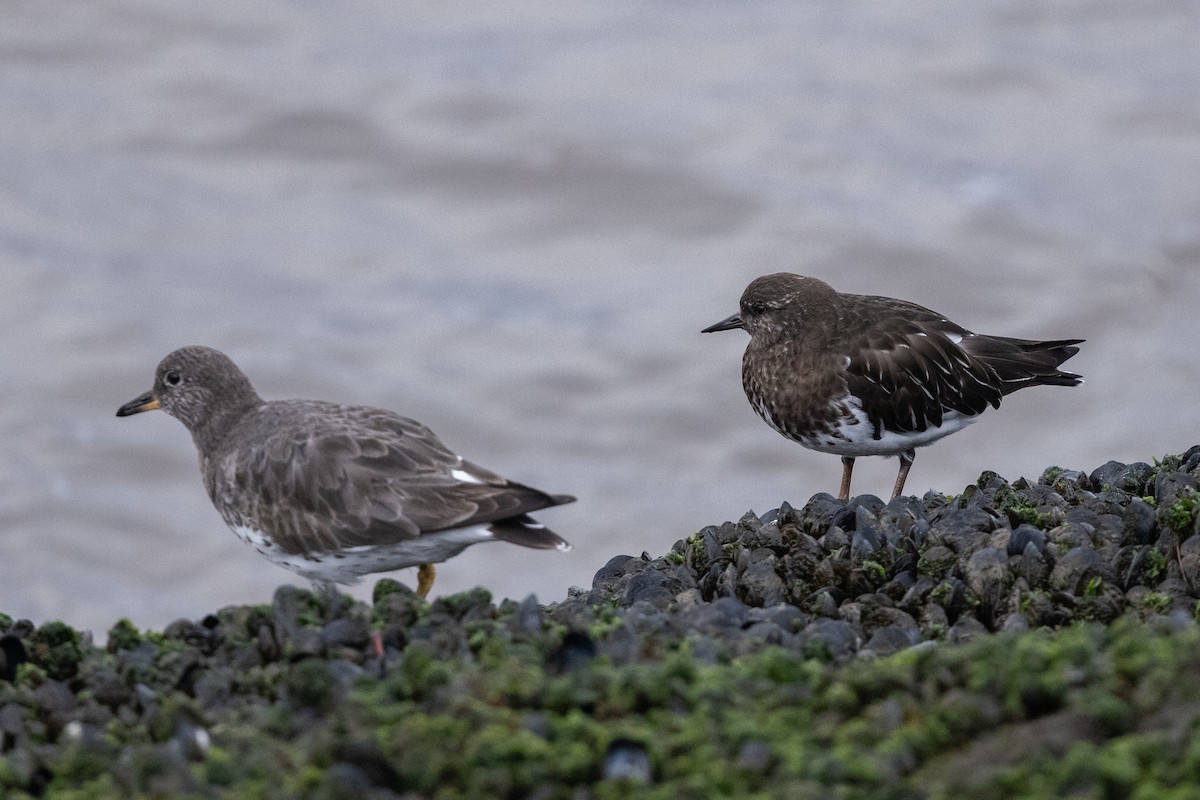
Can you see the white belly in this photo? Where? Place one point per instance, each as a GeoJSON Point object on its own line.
{"type": "Point", "coordinates": [856, 438]}
{"type": "Point", "coordinates": [349, 564]}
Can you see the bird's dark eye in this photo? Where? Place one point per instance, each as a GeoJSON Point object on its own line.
{"type": "Point", "coordinates": [756, 307]}
{"type": "Point", "coordinates": [172, 378]}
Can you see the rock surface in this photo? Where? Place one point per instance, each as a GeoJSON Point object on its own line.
{"type": "Point", "coordinates": [1019, 638]}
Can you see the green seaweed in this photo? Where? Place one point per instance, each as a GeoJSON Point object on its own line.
{"type": "Point", "coordinates": [925, 722]}
{"type": "Point", "coordinates": [474, 699]}
{"type": "Point", "coordinates": [1180, 515]}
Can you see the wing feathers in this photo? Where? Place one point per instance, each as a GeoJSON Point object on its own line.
{"type": "Point", "coordinates": [320, 481]}
{"type": "Point", "coordinates": [527, 532]}
{"type": "Point", "coordinates": [909, 373]}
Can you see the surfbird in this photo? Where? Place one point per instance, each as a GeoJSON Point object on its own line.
{"type": "Point", "coordinates": [334, 492]}
{"type": "Point", "coordinates": [858, 375]}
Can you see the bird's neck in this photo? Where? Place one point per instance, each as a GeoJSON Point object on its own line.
{"type": "Point", "coordinates": [216, 426]}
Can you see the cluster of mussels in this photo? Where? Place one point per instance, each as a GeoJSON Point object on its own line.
{"type": "Point", "coordinates": [870, 578]}
{"type": "Point", "coordinates": [829, 582]}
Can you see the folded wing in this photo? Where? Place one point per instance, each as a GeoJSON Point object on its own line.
{"type": "Point", "coordinates": [910, 374]}
{"type": "Point", "coordinates": [373, 477]}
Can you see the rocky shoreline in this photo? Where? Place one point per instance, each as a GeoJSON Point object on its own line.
{"type": "Point", "coordinates": [804, 653]}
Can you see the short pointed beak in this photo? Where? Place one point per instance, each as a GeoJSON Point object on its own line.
{"type": "Point", "coordinates": [727, 324]}
{"type": "Point", "coordinates": [144, 402]}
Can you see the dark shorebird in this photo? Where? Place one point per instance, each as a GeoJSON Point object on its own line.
{"type": "Point", "coordinates": [334, 492]}
{"type": "Point", "coordinates": [858, 375]}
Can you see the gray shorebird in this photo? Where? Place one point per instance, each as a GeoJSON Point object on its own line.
{"type": "Point", "coordinates": [334, 492]}
{"type": "Point", "coordinates": [858, 375]}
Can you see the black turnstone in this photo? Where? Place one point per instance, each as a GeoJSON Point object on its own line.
{"type": "Point", "coordinates": [859, 375]}
{"type": "Point", "coordinates": [331, 491]}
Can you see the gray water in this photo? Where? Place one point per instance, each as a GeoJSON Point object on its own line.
{"type": "Point", "coordinates": [510, 221]}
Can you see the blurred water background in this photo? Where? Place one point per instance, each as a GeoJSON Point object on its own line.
{"type": "Point", "coordinates": [511, 221]}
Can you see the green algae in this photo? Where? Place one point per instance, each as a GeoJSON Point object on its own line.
{"type": "Point", "coordinates": [1181, 514]}
{"type": "Point", "coordinates": [1156, 564]}
{"type": "Point", "coordinates": [1099, 697]}
{"type": "Point", "coordinates": [1115, 708]}
{"type": "Point", "coordinates": [123, 636]}
{"type": "Point", "coordinates": [56, 648]}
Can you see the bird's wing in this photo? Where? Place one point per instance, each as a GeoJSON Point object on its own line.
{"type": "Point", "coordinates": [368, 476]}
{"type": "Point", "coordinates": [910, 370]}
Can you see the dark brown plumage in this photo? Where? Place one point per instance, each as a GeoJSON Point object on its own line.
{"type": "Point", "coordinates": [334, 491]}
{"type": "Point", "coordinates": [863, 375]}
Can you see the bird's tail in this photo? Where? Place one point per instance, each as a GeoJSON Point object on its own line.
{"type": "Point", "coordinates": [1026, 362]}
{"type": "Point", "coordinates": [528, 532]}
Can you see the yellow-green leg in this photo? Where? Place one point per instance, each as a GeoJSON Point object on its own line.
{"type": "Point", "coordinates": [425, 575]}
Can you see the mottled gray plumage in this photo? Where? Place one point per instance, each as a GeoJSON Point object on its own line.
{"type": "Point", "coordinates": [863, 375]}
{"type": "Point", "coordinates": [336, 491]}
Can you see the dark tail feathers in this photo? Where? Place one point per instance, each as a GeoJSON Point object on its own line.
{"type": "Point", "coordinates": [528, 532]}
{"type": "Point", "coordinates": [1025, 362]}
